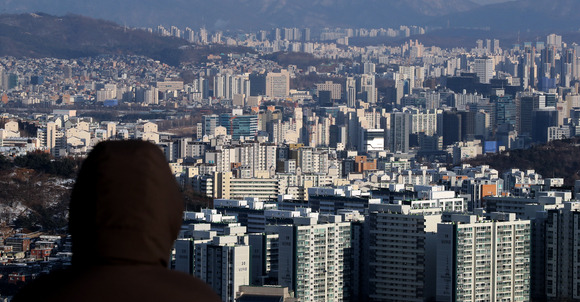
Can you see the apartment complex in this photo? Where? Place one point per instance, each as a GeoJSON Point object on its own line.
{"type": "Point", "coordinates": [483, 258]}
{"type": "Point", "coordinates": [401, 252]}
{"type": "Point", "coordinates": [314, 259]}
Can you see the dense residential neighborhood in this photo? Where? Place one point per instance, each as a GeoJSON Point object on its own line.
{"type": "Point", "coordinates": [345, 180]}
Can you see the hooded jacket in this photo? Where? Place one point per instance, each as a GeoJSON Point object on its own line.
{"type": "Point", "coordinates": [125, 213]}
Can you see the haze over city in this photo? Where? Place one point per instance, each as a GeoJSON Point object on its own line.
{"type": "Point", "coordinates": [536, 15]}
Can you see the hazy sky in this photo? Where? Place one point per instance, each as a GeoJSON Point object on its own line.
{"type": "Point", "coordinates": [266, 14]}
{"type": "Point", "coordinates": [484, 2]}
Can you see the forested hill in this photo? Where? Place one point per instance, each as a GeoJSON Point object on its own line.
{"type": "Point", "coordinates": [34, 191]}
{"type": "Point", "coordinates": [555, 159]}
{"type": "Point", "coordinates": [73, 36]}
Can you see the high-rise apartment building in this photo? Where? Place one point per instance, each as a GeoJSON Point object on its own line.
{"type": "Point", "coordinates": [201, 86]}
{"type": "Point", "coordinates": [568, 64]}
{"type": "Point", "coordinates": [306, 34]}
{"type": "Point", "coordinates": [264, 252]}
{"type": "Point", "coordinates": [227, 86]}
{"type": "Point", "coordinates": [52, 138]}
{"type": "Point", "coordinates": [408, 75]}
{"type": "Point", "coordinates": [189, 35]}
{"type": "Point", "coordinates": [401, 252]}
{"type": "Point", "coordinates": [226, 186]}
{"type": "Point", "coordinates": [423, 121]}
{"type": "Point", "coordinates": [562, 239]}
{"type": "Point", "coordinates": [495, 47]}
{"type": "Point", "coordinates": [224, 264]}
{"type": "Point", "coordinates": [554, 40]}
{"type": "Point", "coordinates": [148, 96]}
{"type": "Point", "coordinates": [203, 35]}
{"type": "Point", "coordinates": [399, 132]}
{"type": "Point", "coordinates": [483, 258]}
{"type": "Point", "coordinates": [314, 259]}
{"type": "Point", "coordinates": [369, 68]}
{"type": "Point", "coordinates": [185, 246]}
{"type": "Point", "coordinates": [367, 88]}
{"type": "Point", "coordinates": [351, 92]}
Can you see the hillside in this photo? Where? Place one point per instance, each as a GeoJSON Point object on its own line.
{"type": "Point", "coordinates": [300, 59]}
{"type": "Point", "coordinates": [555, 159]}
{"type": "Point", "coordinates": [35, 35]}
{"type": "Point", "coordinates": [34, 191]}
{"type": "Point", "coordinates": [73, 36]}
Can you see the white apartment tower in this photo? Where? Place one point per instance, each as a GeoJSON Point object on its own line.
{"type": "Point", "coordinates": [423, 121]}
{"type": "Point", "coordinates": [313, 259]}
{"type": "Point", "coordinates": [201, 86]}
{"type": "Point", "coordinates": [52, 138]}
{"type": "Point", "coordinates": [407, 73]}
{"type": "Point", "coordinates": [259, 157]}
{"type": "Point", "coordinates": [554, 40]}
{"type": "Point", "coordinates": [203, 35]}
{"type": "Point", "coordinates": [483, 259]}
{"type": "Point", "coordinates": [369, 68]}
{"type": "Point", "coordinates": [227, 86]}
{"type": "Point", "coordinates": [111, 130]}
{"type": "Point", "coordinates": [256, 157]}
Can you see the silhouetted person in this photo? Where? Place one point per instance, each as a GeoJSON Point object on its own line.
{"type": "Point", "coordinates": [125, 213]}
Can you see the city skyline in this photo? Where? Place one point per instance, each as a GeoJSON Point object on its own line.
{"type": "Point", "coordinates": [312, 166]}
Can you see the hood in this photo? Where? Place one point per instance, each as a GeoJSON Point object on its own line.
{"type": "Point", "coordinates": [125, 206]}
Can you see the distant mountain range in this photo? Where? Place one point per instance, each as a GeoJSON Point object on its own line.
{"type": "Point", "coordinates": [249, 14]}
{"type": "Point", "coordinates": [503, 15]}
{"type": "Point", "coordinates": [522, 15]}
{"type": "Point", "coordinates": [265, 14]}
